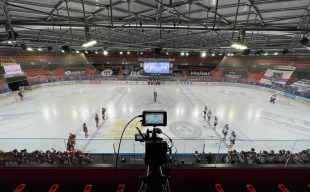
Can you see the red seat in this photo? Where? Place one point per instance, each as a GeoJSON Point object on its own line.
{"type": "Point", "coordinates": [20, 188]}
{"type": "Point", "coordinates": [88, 188]}
{"type": "Point", "coordinates": [219, 188]}
{"type": "Point", "coordinates": [283, 188]}
{"type": "Point", "coordinates": [250, 188]}
{"type": "Point", "coordinates": [53, 188]}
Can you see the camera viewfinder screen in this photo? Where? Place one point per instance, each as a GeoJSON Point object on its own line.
{"type": "Point", "coordinates": [156, 67]}
{"type": "Point", "coordinates": [154, 118]}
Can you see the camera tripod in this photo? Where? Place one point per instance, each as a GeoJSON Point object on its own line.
{"type": "Point", "coordinates": [154, 180]}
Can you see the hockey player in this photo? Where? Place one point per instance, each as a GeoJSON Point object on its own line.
{"type": "Point", "coordinates": [215, 122]}
{"type": "Point", "coordinates": [155, 95]}
{"type": "Point", "coordinates": [21, 95]}
{"type": "Point", "coordinates": [96, 120]}
{"type": "Point", "coordinates": [205, 111]}
{"type": "Point", "coordinates": [71, 142]}
{"type": "Point", "coordinates": [232, 138]}
{"type": "Point", "coordinates": [209, 115]}
{"type": "Point", "coordinates": [103, 112]}
{"type": "Point", "coordinates": [225, 131]}
{"type": "Point", "coordinates": [85, 130]}
{"type": "Point", "coordinates": [273, 98]}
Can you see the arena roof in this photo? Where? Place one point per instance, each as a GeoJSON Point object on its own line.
{"type": "Point", "coordinates": [172, 25]}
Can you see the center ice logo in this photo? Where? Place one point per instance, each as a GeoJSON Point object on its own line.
{"type": "Point", "coordinates": [186, 130]}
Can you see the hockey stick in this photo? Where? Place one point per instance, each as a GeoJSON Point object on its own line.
{"type": "Point", "coordinates": [94, 132]}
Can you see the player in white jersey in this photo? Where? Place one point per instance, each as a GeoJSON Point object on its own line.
{"type": "Point", "coordinates": [209, 115]}
{"type": "Point", "coordinates": [273, 98]}
{"type": "Point", "coordinates": [205, 111]}
{"type": "Point", "coordinates": [215, 121]}
{"type": "Point", "coordinates": [225, 131]}
{"type": "Point", "coordinates": [232, 138]}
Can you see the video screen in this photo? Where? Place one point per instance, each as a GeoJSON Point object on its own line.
{"type": "Point", "coordinates": [12, 69]}
{"type": "Point", "coordinates": [154, 118]}
{"type": "Point", "coordinates": [156, 67]}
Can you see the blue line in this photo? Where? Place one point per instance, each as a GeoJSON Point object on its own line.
{"type": "Point", "coordinates": [186, 96]}
{"type": "Point", "coordinates": [96, 132]}
{"type": "Point", "coordinates": [92, 137]}
{"type": "Point", "coordinates": [122, 96]}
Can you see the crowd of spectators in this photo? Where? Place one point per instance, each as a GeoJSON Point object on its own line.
{"type": "Point", "coordinates": [264, 157]}
{"type": "Point", "coordinates": [49, 156]}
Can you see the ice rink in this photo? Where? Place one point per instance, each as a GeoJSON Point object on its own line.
{"type": "Point", "coordinates": [47, 116]}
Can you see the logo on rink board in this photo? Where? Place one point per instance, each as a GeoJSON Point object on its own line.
{"type": "Point", "coordinates": [186, 130]}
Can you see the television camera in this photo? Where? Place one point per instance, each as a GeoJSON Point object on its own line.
{"type": "Point", "coordinates": [155, 153]}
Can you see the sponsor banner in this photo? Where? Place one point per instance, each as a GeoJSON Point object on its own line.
{"type": "Point", "coordinates": [37, 86]}
{"type": "Point", "coordinates": [47, 85]}
{"type": "Point", "coordinates": [276, 76]}
{"type": "Point", "coordinates": [285, 67]}
{"type": "Point", "coordinates": [8, 64]}
{"type": "Point", "coordinates": [79, 81]}
{"type": "Point", "coordinates": [56, 83]}
{"type": "Point", "coordinates": [85, 81]}
{"type": "Point", "coordinates": [235, 74]}
{"type": "Point", "coordinates": [71, 81]}
{"type": "Point", "coordinates": [136, 72]}
{"type": "Point", "coordinates": [4, 95]}
{"type": "Point", "coordinates": [94, 82]}
{"type": "Point", "coordinates": [63, 82]}
{"type": "Point", "coordinates": [141, 82]}
{"type": "Point", "coordinates": [163, 82]}
{"type": "Point", "coordinates": [290, 95]}
{"type": "Point", "coordinates": [302, 85]}
{"type": "Point", "coordinates": [199, 73]}
{"type": "Point", "coordinates": [74, 72]}
{"type": "Point", "coordinates": [132, 82]}
{"type": "Point", "coordinates": [12, 69]}
{"type": "Point", "coordinates": [107, 72]}
{"type": "Point", "coordinates": [302, 99]}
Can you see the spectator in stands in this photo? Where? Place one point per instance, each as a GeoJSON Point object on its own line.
{"type": "Point", "coordinates": [49, 157]}
{"type": "Point", "coordinates": [24, 156]}
{"type": "Point", "coordinates": [209, 158]}
{"type": "Point", "coordinates": [271, 157]}
{"type": "Point", "coordinates": [227, 159]}
{"type": "Point", "coordinates": [262, 157]}
{"type": "Point", "coordinates": [16, 156]}
{"type": "Point", "coordinates": [298, 158]}
{"type": "Point", "coordinates": [251, 156]}
{"type": "Point", "coordinates": [279, 157]}
{"type": "Point", "coordinates": [37, 156]}
{"type": "Point", "coordinates": [241, 157]}
{"type": "Point", "coordinates": [234, 157]}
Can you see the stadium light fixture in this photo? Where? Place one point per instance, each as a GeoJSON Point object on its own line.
{"type": "Point", "coordinates": [182, 53]}
{"type": "Point", "coordinates": [266, 54]}
{"type": "Point", "coordinates": [77, 51]}
{"type": "Point", "coordinates": [220, 54]}
{"type": "Point", "coordinates": [9, 42]}
{"type": "Point", "coordinates": [121, 52]}
{"type": "Point", "coordinates": [62, 51]}
{"type": "Point", "coordinates": [186, 53]}
{"type": "Point", "coordinates": [85, 51]}
{"type": "Point", "coordinates": [228, 54]}
{"type": "Point", "coordinates": [213, 54]}
{"type": "Point", "coordinates": [167, 53]}
{"type": "Point", "coordinates": [141, 53]}
{"type": "Point", "coordinates": [96, 52]}
{"type": "Point", "coordinates": [105, 52]}
{"type": "Point", "coordinates": [39, 49]}
{"type": "Point", "coordinates": [29, 49]}
{"type": "Point", "coordinates": [238, 46]}
{"type": "Point", "coordinates": [88, 44]}
{"type": "Point", "coordinates": [203, 54]}
{"type": "Point", "coordinates": [128, 52]}
{"type": "Point", "coordinates": [276, 53]}
{"type": "Point", "coordinates": [232, 54]}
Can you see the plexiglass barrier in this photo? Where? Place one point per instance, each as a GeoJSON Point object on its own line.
{"type": "Point", "coordinates": [280, 152]}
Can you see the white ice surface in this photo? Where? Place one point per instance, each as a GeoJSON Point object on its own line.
{"type": "Point", "coordinates": [48, 115]}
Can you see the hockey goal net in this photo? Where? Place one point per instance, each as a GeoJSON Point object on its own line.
{"type": "Point", "coordinates": [285, 100]}
{"type": "Point", "coordinates": [18, 98]}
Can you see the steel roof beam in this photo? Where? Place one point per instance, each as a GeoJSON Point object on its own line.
{"type": "Point", "coordinates": [256, 12]}
{"type": "Point", "coordinates": [59, 4]}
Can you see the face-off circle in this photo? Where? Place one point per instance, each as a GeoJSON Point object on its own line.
{"type": "Point", "coordinates": [147, 102]}
{"type": "Point", "coordinates": [186, 130]}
